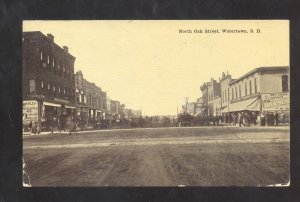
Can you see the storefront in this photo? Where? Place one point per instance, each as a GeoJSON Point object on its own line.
{"type": "Point", "coordinates": [277, 103]}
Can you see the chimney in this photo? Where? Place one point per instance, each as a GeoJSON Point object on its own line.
{"type": "Point", "coordinates": [223, 74]}
{"type": "Point", "coordinates": [51, 37]}
{"type": "Point", "coordinates": [66, 48]}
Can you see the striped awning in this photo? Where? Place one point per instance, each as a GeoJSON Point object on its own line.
{"type": "Point", "coordinates": [253, 104]}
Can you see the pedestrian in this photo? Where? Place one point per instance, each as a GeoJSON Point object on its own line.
{"type": "Point", "coordinates": [258, 120]}
{"type": "Point", "coordinates": [262, 119]}
{"type": "Point", "coordinates": [33, 128]}
{"type": "Point", "coordinates": [30, 126]}
{"type": "Point", "coordinates": [52, 124]}
{"type": "Point", "coordinates": [244, 115]}
{"type": "Point", "coordinates": [234, 119]}
{"type": "Point", "coordinates": [38, 127]}
{"type": "Point", "coordinates": [240, 119]}
{"type": "Point", "coordinates": [275, 119]}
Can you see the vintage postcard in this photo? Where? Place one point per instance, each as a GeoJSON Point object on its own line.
{"type": "Point", "coordinates": [156, 103]}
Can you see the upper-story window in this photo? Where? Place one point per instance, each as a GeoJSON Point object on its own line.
{"type": "Point", "coordinates": [41, 55]}
{"type": "Point", "coordinates": [255, 86]}
{"type": "Point", "coordinates": [236, 92]}
{"type": "Point", "coordinates": [250, 87]}
{"type": "Point", "coordinates": [48, 59]}
{"type": "Point", "coordinates": [64, 91]}
{"type": "Point", "coordinates": [58, 68]}
{"type": "Point", "coordinates": [53, 88]}
{"type": "Point", "coordinates": [31, 86]}
{"type": "Point", "coordinates": [59, 89]}
{"type": "Point", "coordinates": [232, 93]}
{"type": "Point", "coordinates": [246, 89]}
{"type": "Point", "coordinates": [49, 86]}
{"type": "Point", "coordinates": [42, 84]}
{"type": "Point", "coordinates": [225, 96]}
{"type": "Point", "coordinates": [53, 62]}
{"type": "Point", "coordinates": [240, 92]}
{"type": "Point", "coordinates": [285, 83]}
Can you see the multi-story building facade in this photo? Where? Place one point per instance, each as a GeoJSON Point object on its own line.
{"type": "Point", "coordinates": [48, 80]}
{"type": "Point", "coordinates": [262, 89]}
{"type": "Point", "coordinates": [210, 91]}
{"type": "Point", "coordinates": [204, 90]}
{"type": "Point", "coordinates": [225, 92]}
{"type": "Point", "coordinates": [89, 100]}
{"type": "Point", "coordinates": [191, 108]}
{"type": "Point", "coordinates": [200, 109]}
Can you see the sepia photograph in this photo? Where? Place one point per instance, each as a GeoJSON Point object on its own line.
{"type": "Point", "coordinates": [156, 103]}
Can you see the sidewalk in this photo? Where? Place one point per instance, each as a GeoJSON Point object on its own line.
{"type": "Point", "coordinates": [59, 132]}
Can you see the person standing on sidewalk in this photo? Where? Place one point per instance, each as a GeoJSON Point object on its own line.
{"type": "Point", "coordinates": [276, 119]}
{"type": "Point", "coordinates": [240, 119]}
{"type": "Point", "coordinates": [30, 126]}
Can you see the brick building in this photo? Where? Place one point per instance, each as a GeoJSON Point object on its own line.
{"type": "Point", "coordinates": [210, 92]}
{"type": "Point", "coordinates": [90, 100]}
{"type": "Point", "coordinates": [48, 80]}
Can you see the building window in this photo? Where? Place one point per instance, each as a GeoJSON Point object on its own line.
{"type": "Point", "coordinates": [41, 55]}
{"type": "Point", "coordinates": [53, 62]}
{"type": "Point", "coordinates": [42, 84]}
{"type": "Point", "coordinates": [53, 88]}
{"type": "Point", "coordinates": [250, 87]}
{"type": "Point", "coordinates": [240, 92]}
{"type": "Point", "coordinates": [58, 68]}
{"type": "Point", "coordinates": [64, 91]}
{"type": "Point", "coordinates": [236, 94]}
{"type": "Point", "coordinates": [232, 93]}
{"type": "Point", "coordinates": [225, 96]}
{"type": "Point", "coordinates": [285, 83]}
{"type": "Point", "coordinates": [255, 86]}
{"type": "Point", "coordinates": [49, 86]}
{"type": "Point", "coordinates": [59, 89]}
{"type": "Point", "coordinates": [48, 59]}
{"type": "Point", "coordinates": [31, 86]}
{"type": "Point", "coordinates": [246, 89]}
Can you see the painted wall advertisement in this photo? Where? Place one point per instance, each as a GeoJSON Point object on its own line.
{"type": "Point", "coordinates": [30, 111]}
{"type": "Point", "coordinates": [275, 101]}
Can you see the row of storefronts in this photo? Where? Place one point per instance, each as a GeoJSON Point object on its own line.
{"type": "Point", "coordinates": [56, 97]}
{"type": "Point", "coordinates": [264, 90]}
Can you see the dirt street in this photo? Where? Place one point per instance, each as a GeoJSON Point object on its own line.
{"type": "Point", "coordinates": [222, 156]}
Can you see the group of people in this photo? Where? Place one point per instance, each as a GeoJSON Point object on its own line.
{"type": "Point", "coordinates": [35, 127]}
{"type": "Point", "coordinates": [251, 118]}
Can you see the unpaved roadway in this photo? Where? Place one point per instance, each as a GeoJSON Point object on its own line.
{"type": "Point", "coordinates": [204, 156]}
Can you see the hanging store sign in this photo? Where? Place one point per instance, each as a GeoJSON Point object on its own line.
{"type": "Point", "coordinates": [30, 111]}
{"type": "Point", "coordinates": [275, 101]}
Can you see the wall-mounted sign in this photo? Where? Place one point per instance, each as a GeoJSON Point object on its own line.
{"type": "Point", "coordinates": [30, 111]}
{"type": "Point", "coordinates": [275, 101]}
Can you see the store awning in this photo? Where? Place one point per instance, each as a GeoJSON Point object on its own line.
{"type": "Point", "coordinates": [253, 104]}
{"type": "Point", "coordinates": [51, 104]}
{"type": "Point", "coordinates": [70, 107]}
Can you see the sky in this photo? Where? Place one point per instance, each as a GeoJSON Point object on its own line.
{"type": "Point", "coordinates": [149, 65]}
